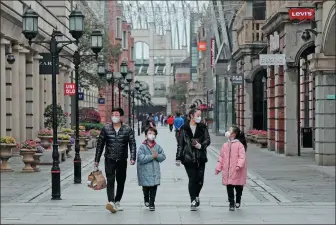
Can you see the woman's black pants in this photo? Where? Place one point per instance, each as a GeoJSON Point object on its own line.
{"type": "Point", "coordinates": [196, 179]}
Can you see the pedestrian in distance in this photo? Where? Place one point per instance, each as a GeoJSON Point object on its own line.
{"type": "Point", "coordinates": [149, 157]}
{"type": "Point", "coordinates": [170, 122]}
{"type": "Point", "coordinates": [232, 164]}
{"type": "Point", "coordinates": [192, 153]}
{"type": "Point", "coordinates": [178, 124]}
{"type": "Point", "coordinates": [116, 138]}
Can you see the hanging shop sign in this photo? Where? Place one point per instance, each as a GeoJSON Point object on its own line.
{"type": "Point", "coordinates": [202, 46]}
{"type": "Point", "coordinates": [300, 14]}
{"type": "Point", "coordinates": [212, 52]}
{"type": "Point", "coordinates": [69, 89]}
{"type": "Point", "coordinates": [46, 65]}
{"type": "Point", "coordinates": [237, 79]}
{"type": "Point", "coordinates": [80, 96]}
{"type": "Point", "coordinates": [272, 59]}
{"type": "Point", "coordinates": [101, 101]}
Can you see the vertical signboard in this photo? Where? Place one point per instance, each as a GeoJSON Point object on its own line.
{"type": "Point", "coordinates": [80, 96]}
{"type": "Point", "coordinates": [46, 65]}
{"type": "Point", "coordinates": [69, 89]}
{"type": "Point", "coordinates": [212, 52]}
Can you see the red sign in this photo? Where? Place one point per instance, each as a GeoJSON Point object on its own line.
{"type": "Point", "coordinates": [69, 89]}
{"type": "Point", "coordinates": [301, 14]}
{"type": "Point", "coordinates": [201, 46]}
{"type": "Point", "coordinates": [212, 52]}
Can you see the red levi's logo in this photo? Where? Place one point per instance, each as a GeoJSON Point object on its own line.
{"type": "Point", "coordinates": [301, 14]}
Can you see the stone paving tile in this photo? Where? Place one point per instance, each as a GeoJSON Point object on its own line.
{"type": "Point", "coordinates": [16, 184]}
{"type": "Point", "coordinates": [296, 178]}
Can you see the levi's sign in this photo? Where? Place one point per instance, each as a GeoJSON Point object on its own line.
{"type": "Point", "coordinates": [301, 14]}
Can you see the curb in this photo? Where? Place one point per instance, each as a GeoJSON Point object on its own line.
{"type": "Point", "coordinates": [33, 194]}
{"type": "Point", "coordinates": [265, 190]}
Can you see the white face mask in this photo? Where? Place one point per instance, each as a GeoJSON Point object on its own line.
{"type": "Point", "coordinates": [197, 119]}
{"type": "Point", "coordinates": [227, 134]}
{"type": "Point", "coordinates": [151, 137]}
{"type": "Point", "coordinates": [115, 119]}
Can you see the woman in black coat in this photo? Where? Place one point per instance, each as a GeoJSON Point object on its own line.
{"type": "Point", "coordinates": [191, 152]}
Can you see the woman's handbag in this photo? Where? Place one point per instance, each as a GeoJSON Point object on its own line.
{"type": "Point", "coordinates": [96, 180]}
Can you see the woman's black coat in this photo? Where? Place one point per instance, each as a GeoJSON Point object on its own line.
{"type": "Point", "coordinates": [188, 154]}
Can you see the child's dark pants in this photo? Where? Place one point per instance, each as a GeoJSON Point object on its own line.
{"type": "Point", "coordinates": [149, 194]}
{"type": "Point", "coordinates": [230, 192]}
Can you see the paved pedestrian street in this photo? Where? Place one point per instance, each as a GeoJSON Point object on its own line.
{"type": "Point", "coordinates": [261, 203]}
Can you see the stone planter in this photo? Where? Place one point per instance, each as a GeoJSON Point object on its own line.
{"type": "Point", "coordinates": [69, 149]}
{"type": "Point", "coordinates": [28, 159]}
{"type": "Point", "coordinates": [36, 162]}
{"type": "Point", "coordinates": [5, 155]}
{"type": "Point", "coordinates": [262, 141]}
{"type": "Point", "coordinates": [62, 148]}
{"type": "Point", "coordinates": [45, 141]}
{"type": "Point", "coordinates": [248, 137]}
{"type": "Point", "coordinates": [82, 143]}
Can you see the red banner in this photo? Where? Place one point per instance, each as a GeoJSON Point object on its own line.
{"type": "Point", "coordinates": [69, 89]}
{"type": "Point", "coordinates": [202, 46]}
{"type": "Point", "coordinates": [301, 14]}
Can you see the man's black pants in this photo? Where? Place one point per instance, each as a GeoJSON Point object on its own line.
{"type": "Point", "coordinates": [196, 179]}
{"type": "Point", "coordinates": [230, 192]}
{"type": "Point", "coordinates": [149, 194]}
{"type": "Point", "coordinates": [115, 170]}
{"type": "Point", "coordinates": [171, 127]}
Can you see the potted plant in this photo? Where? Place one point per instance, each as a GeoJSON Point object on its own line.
{"type": "Point", "coordinates": [6, 145]}
{"type": "Point", "coordinates": [83, 140]}
{"type": "Point", "coordinates": [27, 150]}
{"type": "Point", "coordinates": [81, 128]}
{"type": "Point", "coordinates": [37, 156]}
{"type": "Point", "coordinates": [68, 131]}
{"type": "Point", "coordinates": [63, 141]}
{"type": "Point", "coordinates": [94, 133]}
{"type": "Point", "coordinates": [262, 138]}
{"type": "Point", "coordinates": [46, 136]}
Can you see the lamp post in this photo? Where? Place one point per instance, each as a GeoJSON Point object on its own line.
{"type": "Point", "coordinates": [139, 90]}
{"type": "Point", "coordinates": [129, 79]}
{"type": "Point", "coordinates": [56, 44]}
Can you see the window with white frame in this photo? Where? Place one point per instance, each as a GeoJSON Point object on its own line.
{"type": "Point", "coordinates": [119, 28]}
{"type": "Point", "coordinates": [132, 53]}
{"type": "Point", "coordinates": [124, 41]}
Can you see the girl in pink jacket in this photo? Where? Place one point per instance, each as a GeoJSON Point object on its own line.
{"type": "Point", "coordinates": [232, 164]}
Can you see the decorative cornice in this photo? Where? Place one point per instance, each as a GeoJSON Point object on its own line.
{"type": "Point", "coordinates": [247, 49]}
{"type": "Point", "coordinates": [320, 62]}
{"type": "Point", "coordinates": [276, 20]}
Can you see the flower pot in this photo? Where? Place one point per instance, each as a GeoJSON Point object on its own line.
{"type": "Point", "coordinates": [28, 159]}
{"type": "Point", "coordinates": [36, 162]}
{"type": "Point", "coordinates": [262, 141]}
{"type": "Point", "coordinates": [45, 141]}
{"type": "Point", "coordinates": [82, 143]}
{"type": "Point", "coordinates": [69, 149]}
{"type": "Point", "coordinates": [5, 154]}
{"type": "Point", "coordinates": [63, 144]}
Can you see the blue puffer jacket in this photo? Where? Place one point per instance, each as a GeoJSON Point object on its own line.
{"type": "Point", "coordinates": [148, 169]}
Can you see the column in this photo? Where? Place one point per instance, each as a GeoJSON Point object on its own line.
{"type": "Point", "coordinates": [15, 93]}
{"type": "Point", "coordinates": [151, 66]}
{"type": "Point", "coordinates": [37, 101]}
{"type": "Point", "coordinates": [67, 99]}
{"type": "Point", "coordinates": [324, 71]}
{"type": "Point", "coordinates": [248, 106]}
{"type": "Point", "coordinates": [291, 80]}
{"type": "Point", "coordinates": [3, 86]}
{"type": "Point", "coordinates": [30, 120]}
{"type": "Point", "coordinates": [22, 92]}
{"type": "Point", "coordinates": [60, 87]}
{"type": "Point", "coordinates": [42, 100]}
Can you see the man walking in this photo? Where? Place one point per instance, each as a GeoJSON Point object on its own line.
{"type": "Point", "coordinates": [115, 138]}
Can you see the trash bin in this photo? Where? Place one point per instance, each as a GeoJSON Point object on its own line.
{"type": "Point", "coordinates": [307, 137]}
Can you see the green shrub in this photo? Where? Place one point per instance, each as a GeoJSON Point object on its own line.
{"type": "Point", "coordinates": [92, 126]}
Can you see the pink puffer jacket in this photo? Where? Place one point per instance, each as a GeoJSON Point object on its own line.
{"type": "Point", "coordinates": [232, 163]}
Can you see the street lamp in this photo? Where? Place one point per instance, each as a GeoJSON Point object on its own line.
{"type": "Point", "coordinates": [138, 89]}
{"type": "Point", "coordinates": [56, 44]}
{"type": "Point", "coordinates": [101, 69]}
{"type": "Point", "coordinates": [30, 31]}
{"type": "Point", "coordinates": [129, 78]}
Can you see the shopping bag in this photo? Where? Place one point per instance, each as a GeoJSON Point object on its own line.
{"type": "Point", "coordinates": [96, 180]}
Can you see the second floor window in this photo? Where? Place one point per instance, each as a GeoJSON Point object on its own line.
{"type": "Point", "coordinates": [124, 41]}
{"type": "Point", "coordinates": [119, 30]}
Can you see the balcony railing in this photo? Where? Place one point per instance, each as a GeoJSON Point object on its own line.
{"type": "Point", "coordinates": [250, 32]}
